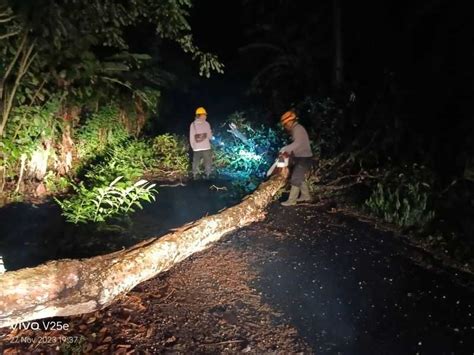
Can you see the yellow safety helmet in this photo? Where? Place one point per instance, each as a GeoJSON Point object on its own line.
{"type": "Point", "coordinates": [287, 117]}
{"type": "Point", "coordinates": [201, 111]}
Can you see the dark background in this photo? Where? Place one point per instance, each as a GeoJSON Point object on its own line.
{"type": "Point", "coordinates": [410, 60]}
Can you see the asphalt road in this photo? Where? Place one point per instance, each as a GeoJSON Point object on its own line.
{"type": "Point", "coordinates": [352, 289]}
{"type": "Point", "coordinates": [346, 286]}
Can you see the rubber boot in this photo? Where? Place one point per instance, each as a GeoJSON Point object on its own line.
{"type": "Point", "coordinates": [305, 194]}
{"type": "Point", "coordinates": [294, 192]}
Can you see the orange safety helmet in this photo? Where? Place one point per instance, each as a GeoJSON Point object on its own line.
{"type": "Point", "coordinates": [201, 111]}
{"type": "Point", "coordinates": [287, 117]}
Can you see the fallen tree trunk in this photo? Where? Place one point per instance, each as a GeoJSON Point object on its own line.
{"type": "Point", "coordinates": [71, 287]}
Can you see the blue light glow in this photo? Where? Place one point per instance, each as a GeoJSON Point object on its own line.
{"type": "Point", "coordinates": [244, 152]}
{"type": "Point", "coordinates": [249, 155]}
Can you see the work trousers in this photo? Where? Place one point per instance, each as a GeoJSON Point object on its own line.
{"type": "Point", "coordinates": [206, 156]}
{"type": "Point", "coordinates": [301, 168]}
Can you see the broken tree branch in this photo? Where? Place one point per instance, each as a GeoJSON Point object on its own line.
{"type": "Point", "coordinates": [71, 287]}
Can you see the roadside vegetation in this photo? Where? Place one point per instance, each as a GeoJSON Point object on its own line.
{"type": "Point", "coordinates": [75, 100]}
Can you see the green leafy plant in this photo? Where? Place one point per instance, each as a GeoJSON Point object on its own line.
{"type": "Point", "coordinates": [403, 198]}
{"type": "Point", "coordinates": [129, 159]}
{"type": "Point", "coordinates": [101, 130]}
{"type": "Point", "coordinates": [56, 183]}
{"type": "Point", "coordinates": [101, 195]}
{"type": "Point", "coordinates": [171, 153]}
{"type": "Point", "coordinates": [28, 141]}
{"type": "Point", "coordinates": [107, 150]}
{"type": "Point", "coordinates": [244, 151]}
{"type": "Point", "coordinates": [99, 203]}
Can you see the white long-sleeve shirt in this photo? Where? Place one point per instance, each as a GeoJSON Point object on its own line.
{"type": "Point", "coordinates": [301, 147]}
{"type": "Point", "coordinates": [202, 127]}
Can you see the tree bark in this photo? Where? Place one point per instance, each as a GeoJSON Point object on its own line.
{"type": "Point", "coordinates": [28, 55]}
{"type": "Point", "coordinates": [22, 169]}
{"type": "Point", "coordinates": [71, 287]}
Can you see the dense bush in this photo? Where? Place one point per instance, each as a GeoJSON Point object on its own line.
{"type": "Point", "coordinates": [244, 151]}
{"type": "Point", "coordinates": [129, 159]}
{"type": "Point", "coordinates": [100, 131]}
{"type": "Point", "coordinates": [109, 187]}
{"type": "Point", "coordinates": [31, 128]}
{"type": "Point", "coordinates": [56, 184]}
{"type": "Point", "coordinates": [98, 203]}
{"type": "Point", "coordinates": [247, 149]}
{"type": "Point", "coordinates": [171, 153]}
{"type": "Point", "coordinates": [404, 197]}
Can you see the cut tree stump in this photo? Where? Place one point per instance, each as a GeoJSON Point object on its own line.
{"type": "Point", "coordinates": [70, 287]}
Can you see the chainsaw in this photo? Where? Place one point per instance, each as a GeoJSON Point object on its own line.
{"type": "Point", "coordinates": [281, 162]}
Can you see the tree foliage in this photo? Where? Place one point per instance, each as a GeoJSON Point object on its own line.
{"type": "Point", "coordinates": [81, 47]}
{"type": "Point", "coordinates": [100, 203]}
{"type": "Point", "coordinates": [244, 151]}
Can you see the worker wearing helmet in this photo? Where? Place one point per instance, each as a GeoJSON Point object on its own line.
{"type": "Point", "coordinates": [300, 150]}
{"type": "Point", "coordinates": [199, 138]}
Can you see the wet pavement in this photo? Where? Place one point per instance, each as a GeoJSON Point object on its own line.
{"type": "Point", "coordinates": [351, 289]}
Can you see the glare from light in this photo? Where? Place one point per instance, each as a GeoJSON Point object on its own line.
{"type": "Point", "coordinates": [249, 155]}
